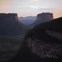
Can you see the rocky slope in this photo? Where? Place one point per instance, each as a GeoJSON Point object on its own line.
{"type": "Point", "coordinates": [45, 40]}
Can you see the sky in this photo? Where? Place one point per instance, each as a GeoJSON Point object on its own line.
{"type": "Point", "coordinates": [31, 7]}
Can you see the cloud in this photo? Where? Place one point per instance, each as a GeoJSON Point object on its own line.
{"type": "Point", "coordinates": [51, 3]}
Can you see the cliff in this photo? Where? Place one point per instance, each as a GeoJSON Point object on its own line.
{"type": "Point", "coordinates": [9, 24]}
{"type": "Point", "coordinates": [43, 17]}
{"type": "Point", "coordinates": [8, 17]}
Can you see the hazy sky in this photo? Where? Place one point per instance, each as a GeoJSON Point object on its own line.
{"type": "Point", "coordinates": [31, 7]}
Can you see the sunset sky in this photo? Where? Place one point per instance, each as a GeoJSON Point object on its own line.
{"type": "Point", "coordinates": [31, 7]}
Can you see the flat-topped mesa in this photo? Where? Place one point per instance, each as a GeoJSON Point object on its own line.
{"type": "Point", "coordinates": [44, 17]}
{"type": "Point", "coordinates": [8, 17]}
{"type": "Point", "coordinates": [9, 23]}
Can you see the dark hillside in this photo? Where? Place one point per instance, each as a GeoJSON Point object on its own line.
{"type": "Point", "coordinates": [44, 44]}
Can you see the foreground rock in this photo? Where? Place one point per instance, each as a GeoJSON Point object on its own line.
{"type": "Point", "coordinates": [45, 40]}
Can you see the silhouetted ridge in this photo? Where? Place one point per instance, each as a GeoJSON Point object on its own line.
{"type": "Point", "coordinates": [39, 30]}
{"type": "Point", "coordinates": [55, 24]}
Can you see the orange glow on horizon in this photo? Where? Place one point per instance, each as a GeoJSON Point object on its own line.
{"type": "Point", "coordinates": [58, 13]}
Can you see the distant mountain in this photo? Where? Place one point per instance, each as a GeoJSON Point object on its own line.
{"type": "Point", "coordinates": [27, 20]}
{"type": "Point", "coordinates": [9, 24]}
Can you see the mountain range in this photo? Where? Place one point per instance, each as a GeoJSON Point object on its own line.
{"type": "Point", "coordinates": [27, 20]}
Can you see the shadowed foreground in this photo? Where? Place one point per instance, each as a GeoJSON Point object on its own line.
{"type": "Point", "coordinates": [41, 44]}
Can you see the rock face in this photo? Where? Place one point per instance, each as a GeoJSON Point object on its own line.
{"type": "Point", "coordinates": [43, 41]}
{"type": "Point", "coordinates": [8, 17]}
{"type": "Point", "coordinates": [43, 17]}
{"type": "Point", "coordinates": [9, 24]}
